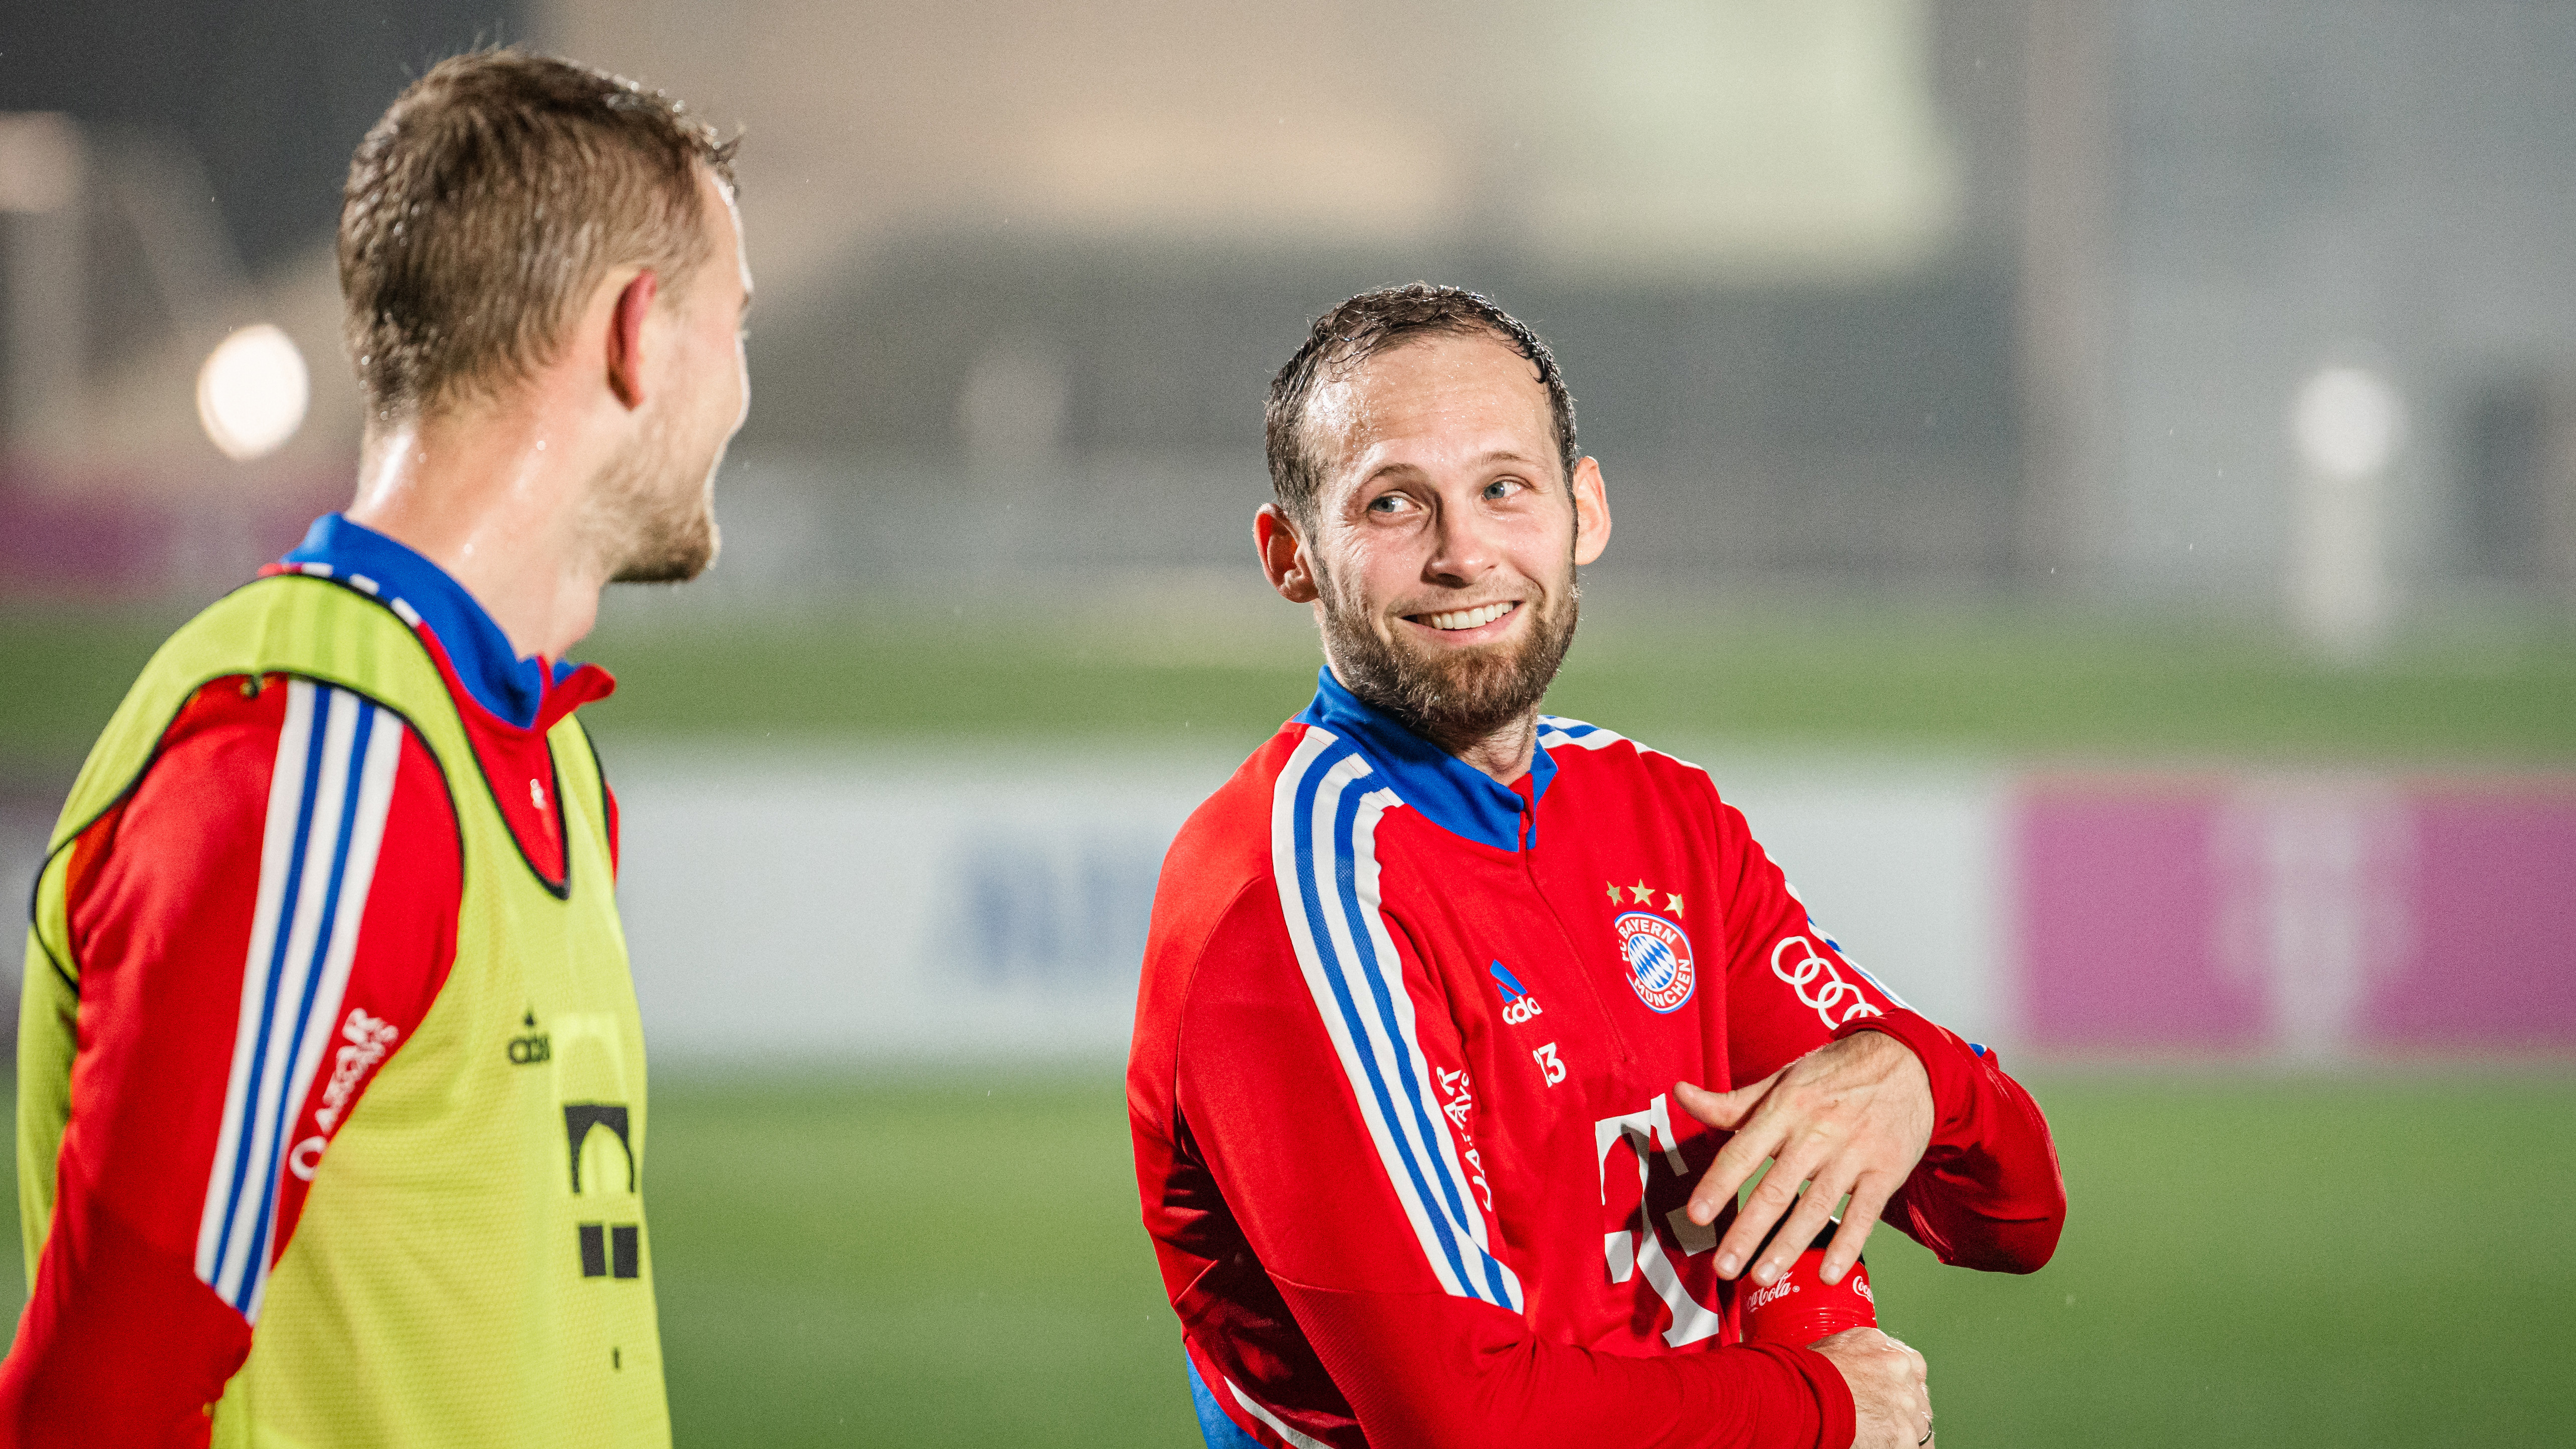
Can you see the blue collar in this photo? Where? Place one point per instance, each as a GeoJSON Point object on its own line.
{"type": "Point", "coordinates": [510, 687]}
{"type": "Point", "coordinates": [1451, 793]}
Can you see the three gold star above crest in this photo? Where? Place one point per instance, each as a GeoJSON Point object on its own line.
{"type": "Point", "coordinates": [1642, 894]}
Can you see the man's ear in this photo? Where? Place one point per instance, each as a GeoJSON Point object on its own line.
{"type": "Point", "coordinates": [1591, 512]}
{"type": "Point", "coordinates": [626, 338]}
{"type": "Point", "coordinates": [1283, 557]}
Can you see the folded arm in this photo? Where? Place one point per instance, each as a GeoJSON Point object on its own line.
{"type": "Point", "coordinates": [1935, 1135]}
{"type": "Point", "coordinates": [1337, 1120]}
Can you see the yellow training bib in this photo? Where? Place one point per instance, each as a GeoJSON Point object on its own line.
{"type": "Point", "coordinates": [471, 1266]}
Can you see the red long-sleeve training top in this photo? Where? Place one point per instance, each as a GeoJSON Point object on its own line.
{"type": "Point", "coordinates": [1400, 1093]}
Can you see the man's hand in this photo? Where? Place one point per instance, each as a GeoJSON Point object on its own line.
{"type": "Point", "coordinates": [1852, 1116]}
{"type": "Point", "coordinates": [1891, 1402]}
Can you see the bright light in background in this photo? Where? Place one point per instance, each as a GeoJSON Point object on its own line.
{"type": "Point", "coordinates": [40, 161]}
{"type": "Point", "coordinates": [252, 392]}
{"type": "Point", "coordinates": [2346, 422]}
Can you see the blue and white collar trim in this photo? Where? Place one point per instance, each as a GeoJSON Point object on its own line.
{"type": "Point", "coordinates": [1451, 793]}
{"type": "Point", "coordinates": [421, 592]}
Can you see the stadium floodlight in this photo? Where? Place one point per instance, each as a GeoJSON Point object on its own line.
{"type": "Point", "coordinates": [2346, 423]}
{"type": "Point", "coordinates": [252, 392]}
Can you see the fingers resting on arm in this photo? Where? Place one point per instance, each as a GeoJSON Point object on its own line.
{"type": "Point", "coordinates": [1851, 1117]}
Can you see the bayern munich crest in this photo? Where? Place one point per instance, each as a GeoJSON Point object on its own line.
{"type": "Point", "coordinates": [1659, 959]}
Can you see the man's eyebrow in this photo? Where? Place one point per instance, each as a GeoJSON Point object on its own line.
{"type": "Point", "coordinates": [1392, 465]}
{"type": "Point", "coordinates": [1399, 465]}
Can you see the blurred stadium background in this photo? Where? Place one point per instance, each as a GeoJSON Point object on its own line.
{"type": "Point", "coordinates": [2097, 481]}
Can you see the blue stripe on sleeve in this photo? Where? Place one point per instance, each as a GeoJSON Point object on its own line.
{"type": "Point", "coordinates": [344, 828]}
{"type": "Point", "coordinates": [1413, 1141]}
{"type": "Point", "coordinates": [1346, 876]}
{"type": "Point", "coordinates": [243, 1142]}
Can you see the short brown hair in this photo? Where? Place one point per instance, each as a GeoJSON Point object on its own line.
{"type": "Point", "coordinates": [491, 198]}
{"type": "Point", "coordinates": [1365, 326]}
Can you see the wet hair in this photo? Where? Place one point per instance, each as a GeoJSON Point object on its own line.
{"type": "Point", "coordinates": [1361, 328]}
{"type": "Point", "coordinates": [485, 206]}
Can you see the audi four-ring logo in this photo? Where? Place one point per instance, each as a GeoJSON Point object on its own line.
{"type": "Point", "coordinates": [1817, 983]}
{"type": "Point", "coordinates": [1659, 959]}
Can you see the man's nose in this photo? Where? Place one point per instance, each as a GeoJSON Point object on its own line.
{"type": "Point", "coordinates": [1462, 546]}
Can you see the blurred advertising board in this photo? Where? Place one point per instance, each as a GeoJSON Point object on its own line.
{"type": "Point", "coordinates": [893, 903]}
{"type": "Point", "coordinates": [2308, 917]}
{"type": "Point", "coordinates": [898, 903]}
{"type": "Point", "coordinates": [993, 904]}
{"type": "Point", "coordinates": [987, 904]}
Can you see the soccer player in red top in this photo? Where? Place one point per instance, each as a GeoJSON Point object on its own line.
{"type": "Point", "coordinates": [545, 284]}
{"type": "Point", "coordinates": [1462, 1025]}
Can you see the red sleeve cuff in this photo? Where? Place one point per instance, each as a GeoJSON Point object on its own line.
{"type": "Point", "coordinates": [1949, 1061]}
{"type": "Point", "coordinates": [120, 1346]}
{"type": "Point", "coordinates": [1988, 1193]}
{"type": "Point", "coordinates": [1838, 1422]}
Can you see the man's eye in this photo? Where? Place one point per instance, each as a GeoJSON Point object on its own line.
{"type": "Point", "coordinates": [1387, 503]}
{"type": "Point", "coordinates": [1503, 488]}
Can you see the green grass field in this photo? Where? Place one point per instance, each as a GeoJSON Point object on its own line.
{"type": "Point", "coordinates": [954, 1259]}
{"type": "Point", "coordinates": [2283, 1261]}
{"type": "Point", "coordinates": [2021, 681]}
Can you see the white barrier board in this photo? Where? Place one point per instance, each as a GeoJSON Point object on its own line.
{"type": "Point", "coordinates": [890, 904]}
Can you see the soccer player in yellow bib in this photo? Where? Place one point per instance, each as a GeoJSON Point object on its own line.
{"type": "Point", "coordinates": [331, 1119]}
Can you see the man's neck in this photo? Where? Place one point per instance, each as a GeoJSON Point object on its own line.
{"type": "Point", "coordinates": [493, 497]}
{"type": "Point", "coordinates": [1504, 754]}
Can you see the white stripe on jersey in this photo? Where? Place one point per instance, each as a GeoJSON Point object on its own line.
{"type": "Point", "coordinates": [1328, 891]}
{"type": "Point", "coordinates": [327, 802]}
{"type": "Point", "coordinates": [1554, 730]}
{"type": "Point", "coordinates": [1291, 1437]}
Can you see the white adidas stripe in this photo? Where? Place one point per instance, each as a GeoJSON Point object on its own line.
{"type": "Point", "coordinates": [329, 794]}
{"type": "Point", "coordinates": [277, 845]}
{"type": "Point", "coordinates": [1278, 1426]}
{"type": "Point", "coordinates": [1555, 730]}
{"type": "Point", "coordinates": [1378, 1044]}
{"type": "Point", "coordinates": [1366, 899]}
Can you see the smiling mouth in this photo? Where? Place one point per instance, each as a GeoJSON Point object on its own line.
{"type": "Point", "coordinates": [1462, 619]}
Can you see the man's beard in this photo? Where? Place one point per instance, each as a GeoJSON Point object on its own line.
{"type": "Point", "coordinates": [652, 515]}
{"type": "Point", "coordinates": [1456, 698]}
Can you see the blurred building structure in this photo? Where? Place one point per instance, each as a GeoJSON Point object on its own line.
{"type": "Point", "coordinates": [1065, 251]}
{"type": "Point", "coordinates": [170, 172]}
{"type": "Point", "coordinates": [1891, 295]}
{"type": "Point", "coordinates": [2226, 199]}
{"type": "Point", "coordinates": [1895, 293]}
